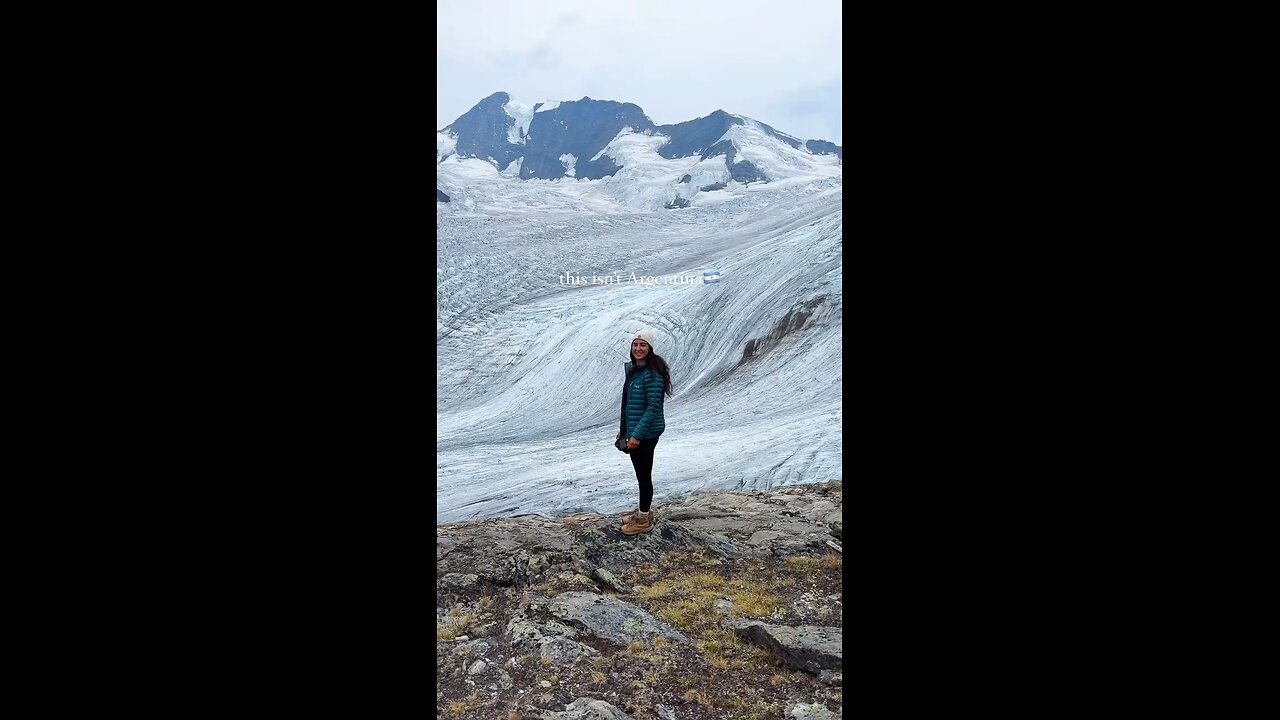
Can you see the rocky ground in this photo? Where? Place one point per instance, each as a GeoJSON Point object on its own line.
{"type": "Point", "coordinates": [729, 609]}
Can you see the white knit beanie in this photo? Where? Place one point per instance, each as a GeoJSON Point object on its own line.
{"type": "Point", "coordinates": [647, 335]}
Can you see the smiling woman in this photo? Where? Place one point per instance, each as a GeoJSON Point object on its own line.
{"type": "Point", "coordinates": [642, 422]}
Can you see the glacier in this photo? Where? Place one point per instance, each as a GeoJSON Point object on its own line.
{"type": "Point", "coordinates": [530, 368]}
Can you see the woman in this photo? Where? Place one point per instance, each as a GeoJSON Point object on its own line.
{"type": "Point", "coordinates": [648, 380]}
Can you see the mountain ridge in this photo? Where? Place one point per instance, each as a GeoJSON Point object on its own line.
{"type": "Point", "coordinates": [587, 139]}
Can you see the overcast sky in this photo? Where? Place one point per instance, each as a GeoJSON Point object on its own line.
{"type": "Point", "coordinates": [777, 62]}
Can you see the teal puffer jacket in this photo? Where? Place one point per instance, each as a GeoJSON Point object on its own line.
{"type": "Point", "coordinates": [643, 413]}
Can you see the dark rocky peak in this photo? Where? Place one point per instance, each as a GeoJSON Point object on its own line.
{"type": "Point", "coordinates": [695, 137]}
{"type": "Point", "coordinates": [483, 132]}
{"type": "Point", "coordinates": [580, 128]}
{"type": "Point", "coordinates": [703, 137]}
{"type": "Point", "coordinates": [822, 147]}
{"type": "Point", "coordinates": [487, 109]}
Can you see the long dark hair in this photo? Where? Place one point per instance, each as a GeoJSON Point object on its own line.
{"type": "Point", "coordinates": [656, 362]}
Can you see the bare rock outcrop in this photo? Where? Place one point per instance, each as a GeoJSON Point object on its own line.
{"type": "Point", "coordinates": [807, 647]}
{"type": "Point", "coordinates": [569, 619]}
{"type": "Point", "coordinates": [587, 709]}
{"type": "Point", "coordinates": [517, 552]}
{"type": "Point", "coordinates": [613, 620]}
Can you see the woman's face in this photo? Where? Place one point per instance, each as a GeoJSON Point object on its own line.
{"type": "Point", "coordinates": [639, 349]}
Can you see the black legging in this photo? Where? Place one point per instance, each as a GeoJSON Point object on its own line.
{"type": "Point", "coordinates": [642, 459]}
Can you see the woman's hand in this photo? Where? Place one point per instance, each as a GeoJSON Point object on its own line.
{"type": "Point", "coordinates": [632, 443]}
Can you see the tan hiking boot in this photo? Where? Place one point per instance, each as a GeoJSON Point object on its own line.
{"type": "Point", "coordinates": [628, 515]}
{"type": "Point", "coordinates": [638, 523]}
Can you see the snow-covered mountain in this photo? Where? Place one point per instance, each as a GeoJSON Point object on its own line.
{"type": "Point", "coordinates": [532, 338]}
{"type": "Point", "coordinates": [652, 165]}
